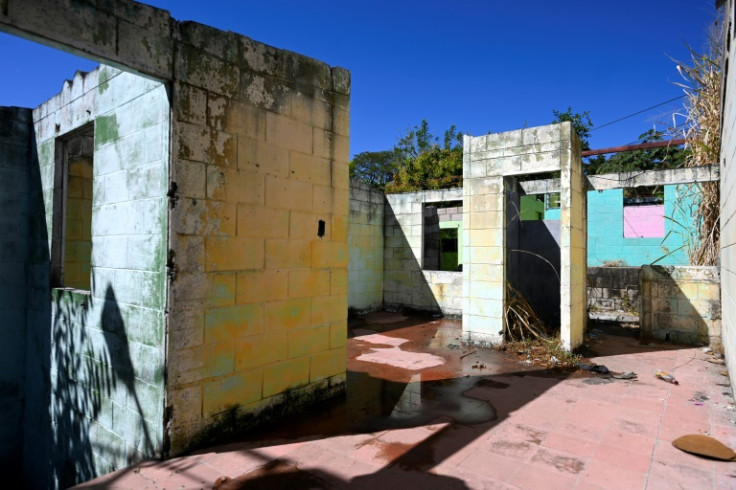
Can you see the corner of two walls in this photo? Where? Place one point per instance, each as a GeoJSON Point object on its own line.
{"type": "Point", "coordinates": [259, 232]}
{"type": "Point", "coordinates": [101, 407]}
{"type": "Point", "coordinates": [366, 248]}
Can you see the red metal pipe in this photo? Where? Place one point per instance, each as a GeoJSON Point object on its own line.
{"type": "Point", "coordinates": [640, 146]}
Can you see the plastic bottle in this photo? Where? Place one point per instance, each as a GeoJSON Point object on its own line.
{"type": "Point", "coordinates": [665, 376]}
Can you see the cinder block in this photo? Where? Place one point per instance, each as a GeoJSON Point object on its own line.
{"type": "Point", "coordinates": [261, 350]}
{"type": "Point", "coordinates": [289, 374]}
{"type": "Point", "coordinates": [329, 254]}
{"type": "Point", "coordinates": [233, 322]}
{"type": "Point", "coordinates": [305, 341]}
{"type": "Point", "coordinates": [288, 194]}
{"type": "Point", "coordinates": [281, 254]}
{"type": "Point", "coordinates": [261, 286]}
{"type": "Point", "coordinates": [328, 309]}
{"type": "Point", "coordinates": [288, 314]}
{"type": "Point", "coordinates": [234, 185]}
{"type": "Point", "coordinates": [233, 391]}
{"type": "Point", "coordinates": [221, 290]}
{"type": "Point", "coordinates": [309, 168]}
{"type": "Point", "coordinates": [260, 221]}
{"type": "Point", "coordinates": [329, 363]}
{"type": "Point", "coordinates": [234, 253]}
{"type": "Point", "coordinates": [305, 283]}
{"type": "Point", "coordinates": [286, 132]}
{"type": "Point", "coordinates": [188, 403]}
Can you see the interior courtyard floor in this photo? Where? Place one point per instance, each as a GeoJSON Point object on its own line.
{"type": "Point", "coordinates": [423, 410]}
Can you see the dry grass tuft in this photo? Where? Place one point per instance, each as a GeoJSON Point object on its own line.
{"type": "Point", "coordinates": [525, 332]}
{"type": "Point", "coordinates": [702, 132]}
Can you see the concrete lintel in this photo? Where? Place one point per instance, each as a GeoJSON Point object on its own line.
{"type": "Point", "coordinates": [686, 175]}
{"type": "Point", "coordinates": [544, 186]}
{"type": "Point", "coordinates": [440, 195]}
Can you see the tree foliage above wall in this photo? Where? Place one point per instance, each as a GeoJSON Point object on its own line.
{"type": "Point", "coordinates": [418, 161]}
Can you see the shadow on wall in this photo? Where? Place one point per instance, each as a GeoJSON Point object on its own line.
{"type": "Point", "coordinates": [681, 304]}
{"type": "Point", "coordinates": [533, 257]}
{"type": "Point", "coordinates": [404, 282]}
{"type": "Point", "coordinates": [79, 372]}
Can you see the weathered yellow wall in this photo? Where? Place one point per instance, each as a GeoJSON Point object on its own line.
{"type": "Point", "coordinates": [573, 241]}
{"type": "Point", "coordinates": [258, 303]}
{"type": "Point", "coordinates": [681, 304]}
{"type": "Point", "coordinates": [78, 224]}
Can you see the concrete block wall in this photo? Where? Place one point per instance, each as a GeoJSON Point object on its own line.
{"type": "Point", "coordinates": [259, 232]}
{"type": "Point", "coordinates": [728, 197]}
{"type": "Point", "coordinates": [681, 304]}
{"type": "Point", "coordinates": [365, 248]}
{"type": "Point", "coordinates": [103, 348]}
{"type": "Point", "coordinates": [486, 161]}
{"type": "Point", "coordinates": [613, 288]}
{"type": "Point", "coordinates": [15, 143]}
{"type": "Point", "coordinates": [257, 212]}
{"type": "Point", "coordinates": [406, 283]}
{"type": "Point", "coordinates": [606, 240]}
{"type": "Point", "coordinates": [573, 242]}
{"type": "Point", "coordinates": [434, 217]}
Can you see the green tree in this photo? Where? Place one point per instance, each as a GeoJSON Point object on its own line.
{"type": "Point", "coordinates": [419, 160]}
{"type": "Point", "coordinates": [427, 164]}
{"type": "Point", "coordinates": [375, 168]}
{"type": "Point", "coordinates": [644, 159]}
{"type": "Point", "coordinates": [581, 124]}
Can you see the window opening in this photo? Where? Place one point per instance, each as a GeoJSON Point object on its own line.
{"type": "Point", "coordinates": [443, 236]}
{"type": "Point", "coordinates": [532, 207]}
{"type": "Point", "coordinates": [643, 209]}
{"type": "Point", "coordinates": [71, 248]}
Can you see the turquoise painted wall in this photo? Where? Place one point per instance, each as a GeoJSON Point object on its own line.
{"type": "Point", "coordinates": [606, 240]}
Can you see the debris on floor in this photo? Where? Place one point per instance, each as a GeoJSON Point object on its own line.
{"type": "Point", "coordinates": [706, 446]}
{"type": "Point", "coordinates": [624, 375]}
{"type": "Point", "coordinates": [594, 368]}
{"type": "Point", "coordinates": [665, 376]}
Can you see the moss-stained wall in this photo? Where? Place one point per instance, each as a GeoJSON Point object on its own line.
{"type": "Point", "coordinates": [95, 389]}
{"type": "Point", "coordinates": [258, 208]}
{"type": "Point", "coordinates": [259, 221]}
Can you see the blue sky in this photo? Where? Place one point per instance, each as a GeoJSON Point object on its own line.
{"type": "Point", "coordinates": [481, 65]}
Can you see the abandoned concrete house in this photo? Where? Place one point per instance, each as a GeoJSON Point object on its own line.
{"type": "Point", "coordinates": [181, 242]}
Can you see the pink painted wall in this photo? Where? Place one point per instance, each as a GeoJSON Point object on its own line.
{"type": "Point", "coordinates": [644, 221]}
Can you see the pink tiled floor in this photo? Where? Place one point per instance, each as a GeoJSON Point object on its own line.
{"type": "Point", "coordinates": [553, 430]}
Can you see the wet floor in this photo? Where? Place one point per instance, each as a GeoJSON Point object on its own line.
{"type": "Point", "coordinates": [423, 410]}
{"type": "Point", "coordinates": [406, 372]}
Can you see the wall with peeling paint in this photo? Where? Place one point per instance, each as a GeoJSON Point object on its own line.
{"type": "Point", "coordinates": [95, 376]}
{"type": "Point", "coordinates": [259, 223]}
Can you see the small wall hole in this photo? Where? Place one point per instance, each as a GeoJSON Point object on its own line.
{"type": "Point", "coordinates": [321, 228]}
